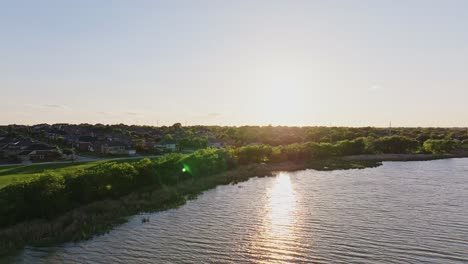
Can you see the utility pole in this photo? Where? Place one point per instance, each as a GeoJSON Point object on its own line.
{"type": "Point", "coordinates": [390, 129]}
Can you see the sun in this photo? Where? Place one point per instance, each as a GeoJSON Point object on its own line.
{"type": "Point", "coordinates": [282, 91]}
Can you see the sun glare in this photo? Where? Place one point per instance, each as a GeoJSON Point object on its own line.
{"type": "Point", "coordinates": [283, 91]}
{"type": "Point", "coordinates": [282, 205]}
{"type": "Point", "coordinates": [279, 221]}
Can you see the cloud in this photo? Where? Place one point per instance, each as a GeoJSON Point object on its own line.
{"type": "Point", "coordinates": [55, 106]}
{"type": "Point", "coordinates": [46, 106]}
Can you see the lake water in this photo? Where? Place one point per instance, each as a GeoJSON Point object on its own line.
{"type": "Point", "coordinates": [401, 212]}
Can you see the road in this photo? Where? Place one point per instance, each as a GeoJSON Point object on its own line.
{"type": "Point", "coordinates": [80, 159]}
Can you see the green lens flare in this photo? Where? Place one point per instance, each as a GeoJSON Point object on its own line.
{"type": "Point", "coordinates": [186, 169]}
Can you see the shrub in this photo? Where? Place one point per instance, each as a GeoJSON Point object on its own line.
{"type": "Point", "coordinates": [395, 144]}
{"type": "Point", "coordinates": [438, 146]}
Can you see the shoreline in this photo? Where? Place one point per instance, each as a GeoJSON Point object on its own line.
{"type": "Point", "coordinates": [100, 217]}
{"type": "Point", "coordinates": [401, 157]}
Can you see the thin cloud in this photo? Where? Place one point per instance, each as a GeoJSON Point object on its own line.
{"type": "Point", "coordinates": [54, 106]}
{"type": "Point", "coordinates": [38, 106]}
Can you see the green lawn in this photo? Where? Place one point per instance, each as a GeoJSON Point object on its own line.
{"type": "Point", "coordinates": [16, 173]}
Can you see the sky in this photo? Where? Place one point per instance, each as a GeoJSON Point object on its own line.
{"type": "Point", "coordinates": [244, 62]}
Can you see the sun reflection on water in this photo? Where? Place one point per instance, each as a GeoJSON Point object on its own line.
{"type": "Point", "coordinates": [276, 238]}
{"type": "Point", "coordinates": [282, 202]}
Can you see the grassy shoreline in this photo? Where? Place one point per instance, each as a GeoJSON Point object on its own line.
{"type": "Point", "coordinates": [99, 217]}
{"type": "Point", "coordinates": [401, 157]}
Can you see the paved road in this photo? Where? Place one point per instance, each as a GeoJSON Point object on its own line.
{"type": "Point", "coordinates": [80, 159]}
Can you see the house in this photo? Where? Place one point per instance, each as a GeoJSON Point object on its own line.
{"type": "Point", "coordinates": [166, 146]}
{"type": "Point", "coordinates": [114, 147]}
{"type": "Point", "coordinates": [87, 138]}
{"type": "Point", "coordinates": [3, 144]}
{"type": "Point", "coordinates": [23, 156]}
{"type": "Point", "coordinates": [44, 155]}
{"type": "Point", "coordinates": [14, 148]}
{"type": "Point", "coordinates": [148, 143]}
{"type": "Point", "coordinates": [85, 146]}
{"type": "Point", "coordinates": [39, 152]}
{"type": "Point", "coordinates": [219, 143]}
{"type": "Point", "coordinates": [214, 143]}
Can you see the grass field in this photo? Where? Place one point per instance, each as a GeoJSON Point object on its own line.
{"type": "Point", "coordinates": [18, 173]}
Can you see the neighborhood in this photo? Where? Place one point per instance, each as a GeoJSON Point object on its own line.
{"type": "Point", "coordinates": [45, 143]}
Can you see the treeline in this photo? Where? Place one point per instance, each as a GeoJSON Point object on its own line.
{"type": "Point", "coordinates": [281, 135]}
{"type": "Point", "coordinates": [195, 137]}
{"type": "Point", "coordinates": [50, 194]}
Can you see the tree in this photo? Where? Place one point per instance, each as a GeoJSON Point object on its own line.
{"type": "Point", "coordinates": [68, 151]}
{"type": "Point", "coordinates": [438, 146]}
{"type": "Point", "coordinates": [395, 144]}
{"type": "Point", "coordinates": [351, 147]}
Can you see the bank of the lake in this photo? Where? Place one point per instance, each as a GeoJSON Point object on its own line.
{"type": "Point", "coordinates": [399, 212]}
{"type": "Point", "coordinates": [99, 217]}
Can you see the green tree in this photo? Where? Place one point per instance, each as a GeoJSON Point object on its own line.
{"type": "Point", "coordinates": [438, 146]}
{"type": "Point", "coordinates": [395, 144]}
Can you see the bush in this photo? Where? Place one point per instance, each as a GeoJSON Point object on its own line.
{"type": "Point", "coordinates": [351, 147]}
{"type": "Point", "coordinates": [204, 162]}
{"type": "Point", "coordinates": [395, 144]}
{"type": "Point", "coordinates": [43, 197]}
{"type": "Point", "coordinates": [439, 146]}
{"type": "Point", "coordinates": [464, 144]}
{"type": "Point", "coordinates": [253, 154]}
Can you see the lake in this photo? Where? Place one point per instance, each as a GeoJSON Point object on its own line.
{"type": "Point", "coordinates": [401, 212]}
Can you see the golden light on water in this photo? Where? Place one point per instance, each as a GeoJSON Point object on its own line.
{"type": "Point", "coordinates": [282, 202]}
{"type": "Point", "coordinates": [277, 238]}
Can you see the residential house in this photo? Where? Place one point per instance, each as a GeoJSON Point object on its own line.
{"type": "Point", "coordinates": [39, 152]}
{"type": "Point", "coordinates": [85, 146]}
{"type": "Point", "coordinates": [219, 143]}
{"type": "Point", "coordinates": [166, 146]}
{"type": "Point", "coordinates": [114, 147]}
{"type": "Point", "coordinates": [148, 143]}
{"type": "Point", "coordinates": [214, 143]}
{"type": "Point", "coordinates": [14, 148]}
{"type": "Point", "coordinates": [44, 155]}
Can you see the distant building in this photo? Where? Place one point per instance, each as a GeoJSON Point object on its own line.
{"type": "Point", "coordinates": [114, 147]}
{"type": "Point", "coordinates": [85, 146]}
{"type": "Point", "coordinates": [166, 146]}
{"type": "Point", "coordinates": [214, 143]}
{"type": "Point", "coordinates": [44, 155]}
{"type": "Point", "coordinates": [14, 148]}
{"type": "Point", "coordinates": [32, 152]}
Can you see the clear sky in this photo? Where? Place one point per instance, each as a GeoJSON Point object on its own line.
{"type": "Point", "coordinates": [350, 63]}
